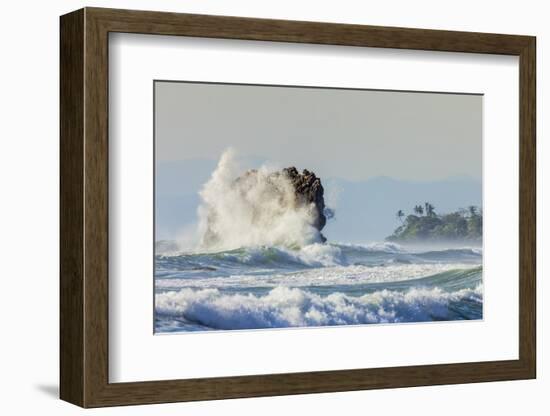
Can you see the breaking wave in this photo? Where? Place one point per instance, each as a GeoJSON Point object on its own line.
{"type": "Point", "coordinates": [294, 307]}
{"type": "Point", "coordinates": [310, 256]}
{"type": "Point", "coordinates": [255, 210]}
{"type": "Point", "coordinates": [316, 285]}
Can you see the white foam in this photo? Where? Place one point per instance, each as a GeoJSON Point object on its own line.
{"type": "Point", "coordinates": [293, 307]}
{"type": "Point", "coordinates": [258, 210]}
{"type": "Point", "coordinates": [320, 255]}
{"type": "Point", "coordinates": [328, 276]}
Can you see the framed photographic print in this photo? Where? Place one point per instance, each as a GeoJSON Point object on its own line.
{"type": "Point", "coordinates": [255, 207]}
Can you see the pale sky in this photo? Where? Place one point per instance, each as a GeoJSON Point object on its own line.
{"type": "Point", "coordinates": [349, 134]}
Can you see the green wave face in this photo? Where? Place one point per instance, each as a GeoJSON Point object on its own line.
{"type": "Point", "coordinates": [317, 285]}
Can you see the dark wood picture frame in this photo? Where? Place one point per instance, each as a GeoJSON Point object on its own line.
{"type": "Point", "coordinates": [84, 207]}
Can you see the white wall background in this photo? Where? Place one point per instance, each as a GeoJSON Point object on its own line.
{"type": "Point", "coordinates": [29, 207]}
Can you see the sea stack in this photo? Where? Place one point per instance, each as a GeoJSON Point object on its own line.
{"type": "Point", "coordinates": [260, 203]}
{"type": "Point", "coordinates": [309, 190]}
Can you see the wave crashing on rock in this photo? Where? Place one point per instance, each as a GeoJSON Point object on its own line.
{"type": "Point", "coordinates": [261, 207]}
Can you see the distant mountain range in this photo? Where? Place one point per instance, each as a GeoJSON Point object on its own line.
{"type": "Point", "coordinates": [365, 211]}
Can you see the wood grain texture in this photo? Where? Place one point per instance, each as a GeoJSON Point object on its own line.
{"type": "Point", "coordinates": [96, 208]}
{"type": "Point", "coordinates": [527, 208]}
{"type": "Point", "coordinates": [84, 207]}
{"type": "Point", "coordinates": [71, 158]}
{"type": "Point", "coordinates": [162, 23]}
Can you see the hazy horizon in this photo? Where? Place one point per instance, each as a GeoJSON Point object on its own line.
{"type": "Point", "coordinates": [350, 137]}
{"type": "Point", "coordinates": [177, 200]}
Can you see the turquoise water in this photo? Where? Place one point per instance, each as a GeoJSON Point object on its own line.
{"type": "Point", "coordinates": [316, 285]}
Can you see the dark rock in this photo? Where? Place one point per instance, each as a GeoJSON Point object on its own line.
{"type": "Point", "coordinates": [309, 190]}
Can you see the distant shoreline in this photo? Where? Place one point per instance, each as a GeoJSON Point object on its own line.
{"type": "Point", "coordinates": [462, 226]}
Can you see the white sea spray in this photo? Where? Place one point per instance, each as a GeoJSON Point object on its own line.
{"type": "Point", "coordinates": [294, 307]}
{"type": "Point", "coordinates": [256, 210]}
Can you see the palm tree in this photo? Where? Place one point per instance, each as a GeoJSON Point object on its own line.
{"type": "Point", "coordinates": [418, 209]}
{"type": "Point", "coordinates": [429, 209]}
{"type": "Point", "coordinates": [400, 214]}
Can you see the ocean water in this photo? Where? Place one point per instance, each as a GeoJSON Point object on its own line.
{"type": "Point", "coordinates": [315, 285]}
